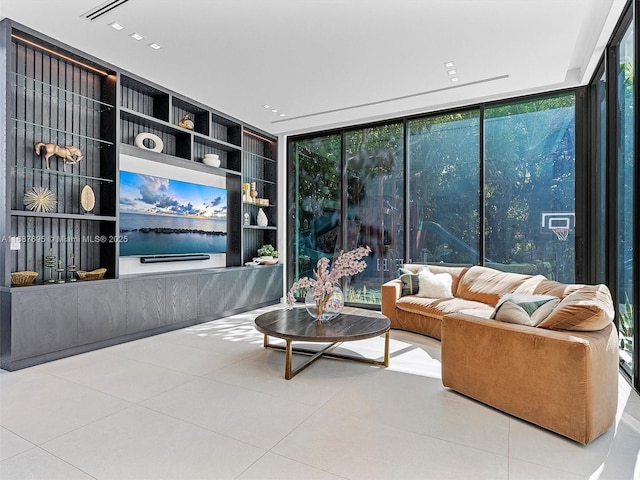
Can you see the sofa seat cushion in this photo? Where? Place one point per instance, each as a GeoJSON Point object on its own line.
{"type": "Point", "coordinates": [588, 309]}
{"type": "Point", "coordinates": [439, 307]}
{"type": "Point", "coordinates": [486, 285]}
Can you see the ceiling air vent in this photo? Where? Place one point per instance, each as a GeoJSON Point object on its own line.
{"type": "Point", "coordinates": [102, 9]}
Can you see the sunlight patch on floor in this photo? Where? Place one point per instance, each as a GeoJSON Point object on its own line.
{"type": "Point", "coordinates": [415, 361]}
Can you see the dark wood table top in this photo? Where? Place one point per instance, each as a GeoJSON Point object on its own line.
{"type": "Point", "coordinates": [297, 324]}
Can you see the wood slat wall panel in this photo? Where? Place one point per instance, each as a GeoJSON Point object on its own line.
{"type": "Point", "coordinates": [137, 101]}
{"type": "Point", "coordinates": [144, 99]}
{"type": "Point", "coordinates": [226, 130]}
{"type": "Point", "coordinates": [220, 132]}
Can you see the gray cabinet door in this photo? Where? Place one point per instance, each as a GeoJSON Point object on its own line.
{"type": "Point", "coordinates": [145, 304]}
{"type": "Point", "coordinates": [44, 320]}
{"type": "Point", "coordinates": [102, 311]}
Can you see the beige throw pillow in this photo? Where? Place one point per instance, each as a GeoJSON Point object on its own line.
{"type": "Point", "coordinates": [524, 309]}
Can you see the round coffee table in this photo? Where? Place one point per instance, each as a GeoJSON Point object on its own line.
{"type": "Point", "coordinates": [297, 325]}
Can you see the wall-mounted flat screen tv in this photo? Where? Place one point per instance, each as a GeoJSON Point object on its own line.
{"type": "Point", "coordinates": [161, 216]}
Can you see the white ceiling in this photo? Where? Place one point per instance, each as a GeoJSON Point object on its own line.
{"type": "Point", "coordinates": [327, 63]}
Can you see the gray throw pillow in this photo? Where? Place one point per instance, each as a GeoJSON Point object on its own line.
{"type": "Point", "coordinates": [410, 283]}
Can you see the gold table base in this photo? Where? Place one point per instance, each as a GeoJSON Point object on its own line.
{"type": "Point", "coordinates": [290, 372]}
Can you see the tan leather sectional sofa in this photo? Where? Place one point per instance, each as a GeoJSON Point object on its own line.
{"type": "Point", "coordinates": [561, 375]}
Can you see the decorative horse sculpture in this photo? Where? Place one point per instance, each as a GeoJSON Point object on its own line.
{"type": "Point", "coordinates": [70, 155]}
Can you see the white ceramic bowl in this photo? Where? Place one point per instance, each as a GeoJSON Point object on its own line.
{"type": "Point", "coordinates": [211, 159]}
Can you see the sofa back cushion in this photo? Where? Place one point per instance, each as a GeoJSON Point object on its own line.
{"type": "Point", "coordinates": [455, 272]}
{"type": "Point", "coordinates": [540, 285]}
{"type": "Point", "coordinates": [588, 309]}
{"type": "Point", "coordinates": [486, 285]}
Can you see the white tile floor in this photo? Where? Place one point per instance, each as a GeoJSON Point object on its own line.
{"type": "Point", "coordinates": [209, 402]}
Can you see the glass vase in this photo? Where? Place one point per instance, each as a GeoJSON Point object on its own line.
{"type": "Point", "coordinates": [327, 307]}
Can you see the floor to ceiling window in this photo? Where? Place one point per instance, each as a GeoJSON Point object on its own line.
{"type": "Point", "coordinates": [508, 203]}
{"type": "Point", "coordinates": [374, 159]}
{"type": "Point", "coordinates": [529, 187]}
{"type": "Point", "coordinates": [444, 183]}
{"type": "Point", "coordinates": [597, 199]}
{"type": "Point", "coordinates": [625, 209]}
{"type": "Point", "coordinates": [316, 216]}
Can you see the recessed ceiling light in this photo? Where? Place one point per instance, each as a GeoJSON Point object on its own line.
{"type": "Point", "coordinates": [116, 26]}
{"type": "Point", "coordinates": [155, 46]}
{"type": "Point", "coordinates": [455, 79]}
{"type": "Point", "coordinates": [281, 115]}
{"type": "Point", "coordinates": [275, 110]}
{"type": "Point", "coordinates": [136, 36]}
{"type": "Point", "coordinates": [450, 64]}
{"type": "Point", "coordinates": [266, 106]}
{"type": "Point", "coordinates": [452, 72]}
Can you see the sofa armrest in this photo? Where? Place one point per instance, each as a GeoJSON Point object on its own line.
{"type": "Point", "coordinates": [391, 292]}
{"type": "Point", "coordinates": [564, 381]}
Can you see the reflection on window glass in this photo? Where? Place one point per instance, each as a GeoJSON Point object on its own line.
{"type": "Point", "coordinates": [444, 180]}
{"type": "Point", "coordinates": [375, 206]}
{"type": "Point", "coordinates": [625, 208]}
{"type": "Point", "coordinates": [530, 187]}
{"type": "Point", "coordinates": [316, 217]}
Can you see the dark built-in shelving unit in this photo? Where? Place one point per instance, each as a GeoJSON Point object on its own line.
{"type": "Point", "coordinates": [56, 94]}
{"type": "Point", "coordinates": [54, 100]}
{"type": "Point", "coordinates": [260, 167]}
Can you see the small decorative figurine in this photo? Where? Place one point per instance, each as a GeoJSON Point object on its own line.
{"type": "Point", "coordinates": [149, 141]}
{"type": "Point", "coordinates": [186, 122]}
{"type": "Point", "coordinates": [247, 219]}
{"type": "Point", "coordinates": [245, 193]}
{"type": "Point", "coordinates": [40, 199]}
{"type": "Point", "coordinates": [50, 262]}
{"type": "Point", "coordinates": [69, 154]}
{"type": "Point", "coordinates": [59, 271]}
{"type": "Point", "coordinates": [87, 198]}
{"type": "Point", "coordinates": [71, 270]}
{"type": "Point", "coordinates": [254, 192]}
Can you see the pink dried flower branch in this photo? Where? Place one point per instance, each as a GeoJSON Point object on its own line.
{"type": "Point", "coordinates": [346, 265]}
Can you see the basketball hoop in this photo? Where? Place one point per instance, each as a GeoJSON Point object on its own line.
{"type": "Point", "coordinates": [561, 232]}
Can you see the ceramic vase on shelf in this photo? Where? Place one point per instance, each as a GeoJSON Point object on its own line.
{"type": "Point", "coordinates": [261, 219]}
{"type": "Point", "coordinates": [327, 307]}
{"type": "Point", "coordinates": [211, 159]}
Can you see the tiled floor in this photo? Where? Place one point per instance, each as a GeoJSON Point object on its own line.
{"type": "Point", "coordinates": [209, 402]}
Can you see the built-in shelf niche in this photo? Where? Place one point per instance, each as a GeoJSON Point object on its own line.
{"type": "Point", "coordinates": [145, 99]}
